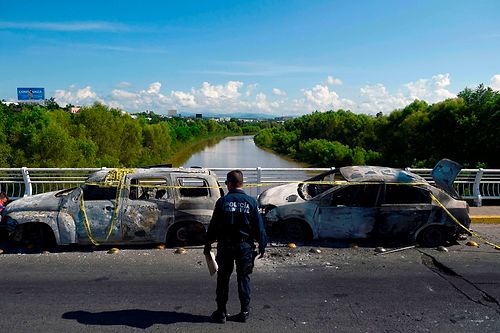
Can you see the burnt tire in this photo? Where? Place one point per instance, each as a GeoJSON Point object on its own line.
{"type": "Point", "coordinates": [292, 231]}
{"type": "Point", "coordinates": [434, 236]}
{"type": "Point", "coordinates": [190, 233]}
{"type": "Point", "coordinates": [37, 235]}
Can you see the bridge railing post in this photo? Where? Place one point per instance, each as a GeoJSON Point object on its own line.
{"type": "Point", "coordinates": [28, 190]}
{"type": "Point", "coordinates": [259, 180]}
{"type": "Point", "coordinates": [476, 188]}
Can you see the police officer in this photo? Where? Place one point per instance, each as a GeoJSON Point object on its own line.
{"type": "Point", "coordinates": [235, 224]}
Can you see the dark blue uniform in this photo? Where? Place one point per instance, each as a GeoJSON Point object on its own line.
{"type": "Point", "coordinates": [235, 224]}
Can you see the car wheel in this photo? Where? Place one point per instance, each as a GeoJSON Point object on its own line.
{"type": "Point", "coordinates": [433, 236]}
{"type": "Point", "coordinates": [292, 231]}
{"type": "Point", "coordinates": [187, 233]}
{"type": "Point", "coordinates": [37, 235]}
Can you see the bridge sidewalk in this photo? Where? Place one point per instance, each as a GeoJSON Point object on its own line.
{"type": "Point", "coordinates": [485, 214]}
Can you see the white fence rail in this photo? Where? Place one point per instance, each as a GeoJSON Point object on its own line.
{"type": "Point", "coordinates": [476, 185]}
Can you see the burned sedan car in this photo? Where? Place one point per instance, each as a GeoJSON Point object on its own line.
{"type": "Point", "coordinates": [119, 206]}
{"type": "Point", "coordinates": [297, 192]}
{"type": "Point", "coordinates": [380, 202]}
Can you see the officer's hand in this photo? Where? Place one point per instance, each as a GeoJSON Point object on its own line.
{"type": "Point", "coordinates": [207, 249]}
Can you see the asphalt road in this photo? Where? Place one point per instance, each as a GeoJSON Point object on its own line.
{"type": "Point", "coordinates": [339, 289]}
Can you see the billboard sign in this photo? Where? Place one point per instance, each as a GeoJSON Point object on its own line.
{"type": "Point", "coordinates": [30, 94]}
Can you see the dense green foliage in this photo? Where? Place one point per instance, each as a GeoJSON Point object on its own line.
{"type": "Point", "coordinates": [48, 136]}
{"type": "Point", "coordinates": [465, 129]}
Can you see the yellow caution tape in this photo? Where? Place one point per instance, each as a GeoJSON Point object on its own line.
{"type": "Point", "coordinates": [461, 225]}
{"type": "Point", "coordinates": [114, 178]}
{"type": "Point", "coordinates": [86, 222]}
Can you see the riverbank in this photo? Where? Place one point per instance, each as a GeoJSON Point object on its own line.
{"type": "Point", "coordinates": [187, 150]}
{"type": "Point", "coordinates": [284, 157]}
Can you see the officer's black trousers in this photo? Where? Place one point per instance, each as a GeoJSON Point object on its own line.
{"type": "Point", "coordinates": [240, 254]}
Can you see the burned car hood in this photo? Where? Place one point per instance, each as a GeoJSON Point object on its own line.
{"type": "Point", "coordinates": [279, 195]}
{"type": "Point", "coordinates": [45, 201]}
{"type": "Point", "coordinates": [379, 174]}
{"type": "Point", "coordinates": [444, 174]}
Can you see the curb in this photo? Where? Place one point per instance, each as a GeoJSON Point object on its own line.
{"type": "Point", "coordinates": [485, 219]}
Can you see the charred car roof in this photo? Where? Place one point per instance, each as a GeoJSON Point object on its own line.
{"type": "Point", "coordinates": [379, 174]}
{"type": "Point", "coordinates": [99, 176]}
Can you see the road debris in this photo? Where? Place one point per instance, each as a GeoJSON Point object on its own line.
{"type": "Point", "coordinates": [384, 251]}
{"type": "Point", "coordinates": [442, 248]}
{"type": "Point", "coordinates": [161, 247]}
{"type": "Point", "coordinates": [313, 250]}
{"type": "Point", "coordinates": [114, 250]}
{"type": "Point", "coordinates": [291, 245]}
{"type": "Point", "coordinates": [472, 243]}
{"type": "Point", "coordinates": [180, 250]}
{"type": "Point", "coordinates": [380, 249]}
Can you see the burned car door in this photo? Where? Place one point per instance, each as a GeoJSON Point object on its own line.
{"type": "Point", "coordinates": [404, 208]}
{"type": "Point", "coordinates": [147, 209]}
{"type": "Point", "coordinates": [349, 212]}
{"type": "Point", "coordinates": [99, 203]}
{"type": "Point", "coordinates": [444, 174]}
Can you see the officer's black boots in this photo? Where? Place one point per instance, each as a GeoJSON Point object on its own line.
{"type": "Point", "coordinates": [219, 317]}
{"type": "Point", "coordinates": [242, 317]}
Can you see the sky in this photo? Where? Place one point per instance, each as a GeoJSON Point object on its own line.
{"type": "Point", "coordinates": [282, 58]}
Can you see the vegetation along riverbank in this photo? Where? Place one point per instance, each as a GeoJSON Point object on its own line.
{"type": "Point", "coordinates": [464, 129]}
{"type": "Point", "coordinates": [97, 136]}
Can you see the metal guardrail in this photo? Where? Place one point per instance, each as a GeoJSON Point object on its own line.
{"type": "Point", "coordinates": [472, 184]}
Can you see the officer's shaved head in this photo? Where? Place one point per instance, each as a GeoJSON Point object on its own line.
{"type": "Point", "coordinates": [235, 178]}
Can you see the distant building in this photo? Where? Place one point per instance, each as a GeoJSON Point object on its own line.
{"type": "Point", "coordinates": [75, 109]}
{"type": "Point", "coordinates": [172, 113]}
{"type": "Point", "coordinates": [199, 116]}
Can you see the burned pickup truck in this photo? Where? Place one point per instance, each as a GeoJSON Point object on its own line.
{"type": "Point", "coordinates": [369, 202]}
{"type": "Point", "coordinates": [119, 206]}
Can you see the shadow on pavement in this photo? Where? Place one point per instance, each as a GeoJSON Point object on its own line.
{"type": "Point", "coordinates": [134, 318]}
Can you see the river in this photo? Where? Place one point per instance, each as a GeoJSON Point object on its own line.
{"type": "Point", "coordinates": [237, 152]}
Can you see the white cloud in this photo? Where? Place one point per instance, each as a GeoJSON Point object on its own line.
{"type": "Point", "coordinates": [330, 80]}
{"type": "Point", "coordinates": [376, 98]}
{"type": "Point", "coordinates": [184, 99]}
{"type": "Point", "coordinates": [278, 92]}
{"type": "Point", "coordinates": [264, 105]}
{"type": "Point", "coordinates": [76, 96]}
{"type": "Point", "coordinates": [495, 82]}
{"type": "Point", "coordinates": [431, 90]}
{"type": "Point", "coordinates": [220, 92]}
{"type": "Point", "coordinates": [154, 88]}
{"type": "Point", "coordinates": [250, 89]}
{"type": "Point", "coordinates": [124, 84]}
{"type": "Point", "coordinates": [236, 96]}
{"type": "Point", "coordinates": [122, 94]}
{"type": "Point", "coordinates": [321, 98]}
